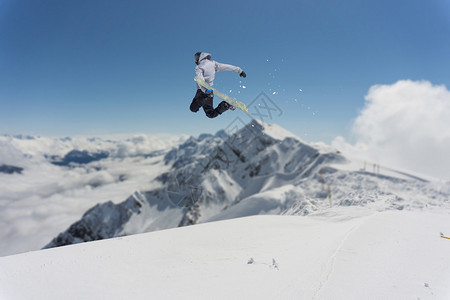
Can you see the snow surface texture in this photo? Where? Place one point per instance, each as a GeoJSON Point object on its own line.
{"type": "Point", "coordinates": [261, 169]}
{"type": "Point", "coordinates": [387, 255]}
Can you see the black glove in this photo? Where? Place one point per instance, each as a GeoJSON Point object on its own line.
{"type": "Point", "coordinates": [243, 74]}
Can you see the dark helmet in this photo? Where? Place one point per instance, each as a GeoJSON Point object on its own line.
{"type": "Point", "coordinates": [197, 57]}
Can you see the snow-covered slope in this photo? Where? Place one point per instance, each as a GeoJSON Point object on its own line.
{"type": "Point", "coordinates": [388, 255]}
{"type": "Point", "coordinates": [261, 169]}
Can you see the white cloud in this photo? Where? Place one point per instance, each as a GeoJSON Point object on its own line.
{"type": "Point", "coordinates": [45, 199]}
{"type": "Point", "coordinates": [404, 125]}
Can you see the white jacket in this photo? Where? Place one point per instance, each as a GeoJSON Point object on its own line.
{"type": "Point", "coordinates": [206, 69]}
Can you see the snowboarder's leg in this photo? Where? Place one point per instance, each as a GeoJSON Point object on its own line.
{"type": "Point", "coordinates": [206, 101]}
{"type": "Point", "coordinates": [209, 109]}
{"type": "Point", "coordinates": [197, 102]}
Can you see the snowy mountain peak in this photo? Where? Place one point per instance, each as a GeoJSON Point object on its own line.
{"type": "Point", "coordinates": [259, 169]}
{"type": "Point", "coordinates": [273, 130]}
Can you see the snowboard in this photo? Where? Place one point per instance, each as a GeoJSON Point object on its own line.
{"type": "Point", "coordinates": [226, 98]}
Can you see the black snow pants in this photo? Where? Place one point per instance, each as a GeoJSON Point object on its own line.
{"type": "Point", "coordinates": [206, 101]}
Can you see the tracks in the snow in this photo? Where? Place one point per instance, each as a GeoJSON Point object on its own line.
{"type": "Point", "coordinates": [329, 265]}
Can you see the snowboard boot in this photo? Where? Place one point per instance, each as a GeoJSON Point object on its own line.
{"type": "Point", "coordinates": [223, 107]}
{"type": "Point", "coordinates": [226, 106]}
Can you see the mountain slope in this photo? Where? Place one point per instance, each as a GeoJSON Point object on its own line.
{"type": "Point", "coordinates": [388, 255]}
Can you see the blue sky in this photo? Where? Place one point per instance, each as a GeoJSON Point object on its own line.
{"type": "Point", "coordinates": [106, 67]}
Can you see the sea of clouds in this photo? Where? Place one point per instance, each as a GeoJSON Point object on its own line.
{"type": "Point", "coordinates": [45, 198]}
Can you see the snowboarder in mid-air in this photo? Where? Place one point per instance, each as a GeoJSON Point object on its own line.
{"type": "Point", "coordinates": [206, 70]}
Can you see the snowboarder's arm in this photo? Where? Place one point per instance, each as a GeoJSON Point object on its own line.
{"type": "Point", "coordinates": [225, 67]}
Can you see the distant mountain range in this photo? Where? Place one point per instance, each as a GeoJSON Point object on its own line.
{"type": "Point", "coordinates": [260, 169]}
